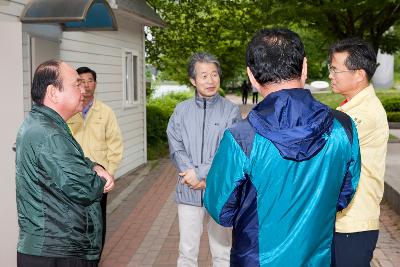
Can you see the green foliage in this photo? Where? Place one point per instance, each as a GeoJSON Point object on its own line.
{"type": "Point", "coordinates": [224, 28]}
{"type": "Point", "coordinates": [385, 95]}
{"type": "Point", "coordinates": [221, 92]}
{"type": "Point", "coordinates": [393, 116]}
{"type": "Point", "coordinates": [149, 89]}
{"type": "Point", "coordinates": [369, 19]}
{"type": "Point", "coordinates": [390, 100]}
{"type": "Point", "coordinates": [392, 107]}
{"type": "Point", "coordinates": [158, 111]}
{"type": "Point", "coordinates": [316, 47]}
{"type": "Point", "coordinates": [330, 99]}
{"type": "Point", "coordinates": [392, 104]}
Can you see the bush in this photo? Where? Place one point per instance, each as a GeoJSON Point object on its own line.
{"type": "Point", "coordinates": [392, 107]}
{"type": "Point", "coordinates": [392, 104]}
{"type": "Point", "coordinates": [221, 92]}
{"type": "Point", "coordinates": [149, 89]}
{"type": "Point", "coordinates": [393, 116]}
{"type": "Point", "coordinates": [157, 120]}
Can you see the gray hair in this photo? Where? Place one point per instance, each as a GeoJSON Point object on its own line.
{"type": "Point", "coordinates": [202, 57]}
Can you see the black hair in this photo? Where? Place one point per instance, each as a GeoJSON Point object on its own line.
{"type": "Point", "coordinates": [47, 73]}
{"type": "Point", "coordinates": [275, 55]}
{"type": "Point", "coordinates": [82, 70]}
{"type": "Point", "coordinates": [361, 55]}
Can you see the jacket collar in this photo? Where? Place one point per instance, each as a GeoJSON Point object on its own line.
{"type": "Point", "coordinates": [358, 99]}
{"type": "Point", "coordinates": [94, 106]}
{"type": "Point", "coordinates": [209, 101]}
{"type": "Point", "coordinates": [52, 114]}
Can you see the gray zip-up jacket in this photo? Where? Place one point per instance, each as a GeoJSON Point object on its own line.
{"type": "Point", "coordinates": [194, 131]}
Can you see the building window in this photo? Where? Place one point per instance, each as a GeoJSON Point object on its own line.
{"type": "Point", "coordinates": [130, 81]}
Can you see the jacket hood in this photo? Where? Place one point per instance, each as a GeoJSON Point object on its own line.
{"type": "Point", "coordinates": [294, 122]}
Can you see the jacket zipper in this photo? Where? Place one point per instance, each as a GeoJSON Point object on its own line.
{"type": "Point", "coordinates": [202, 140]}
{"type": "Point", "coordinates": [202, 136]}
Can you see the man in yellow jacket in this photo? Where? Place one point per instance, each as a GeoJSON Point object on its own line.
{"type": "Point", "coordinates": [96, 130]}
{"type": "Point", "coordinates": [352, 63]}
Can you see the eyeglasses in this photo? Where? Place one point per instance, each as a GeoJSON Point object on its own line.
{"type": "Point", "coordinates": [332, 70]}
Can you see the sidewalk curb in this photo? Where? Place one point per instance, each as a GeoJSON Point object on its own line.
{"type": "Point", "coordinates": [394, 125]}
{"type": "Point", "coordinates": [392, 196]}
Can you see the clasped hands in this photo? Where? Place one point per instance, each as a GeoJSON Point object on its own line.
{"type": "Point", "coordinates": [189, 177]}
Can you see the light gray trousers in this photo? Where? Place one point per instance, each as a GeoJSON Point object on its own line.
{"type": "Point", "coordinates": [191, 220]}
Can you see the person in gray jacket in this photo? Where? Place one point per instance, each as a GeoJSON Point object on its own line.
{"type": "Point", "coordinates": [194, 131]}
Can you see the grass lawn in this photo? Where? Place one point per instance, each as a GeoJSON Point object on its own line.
{"type": "Point", "coordinates": [333, 100]}
{"type": "Point", "coordinates": [392, 137]}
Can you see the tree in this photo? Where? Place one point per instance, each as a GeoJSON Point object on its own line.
{"type": "Point", "coordinates": [222, 28]}
{"type": "Point", "coordinates": [338, 19]}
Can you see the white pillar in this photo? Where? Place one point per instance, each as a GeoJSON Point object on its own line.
{"type": "Point", "coordinates": [383, 77]}
{"type": "Point", "coordinates": [12, 110]}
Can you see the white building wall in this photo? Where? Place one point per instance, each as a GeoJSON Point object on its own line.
{"type": "Point", "coordinates": [11, 75]}
{"type": "Point", "coordinates": [26, 72]}
{"type": "Point", "coordinates": [11, 10]}
{"type": "Point", "coordinates": [102, 51]}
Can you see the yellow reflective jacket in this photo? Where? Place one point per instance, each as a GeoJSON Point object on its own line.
{"type": "Point", "coordinates": [373, 132]}
{"type": "Point", "coordinates": [99, 135]}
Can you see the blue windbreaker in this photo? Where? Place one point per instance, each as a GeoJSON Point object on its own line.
{"type": "Point", "coordinates": [279, 177]}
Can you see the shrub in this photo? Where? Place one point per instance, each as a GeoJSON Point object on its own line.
{"type": "Point", "coordinates": [221, 92]}
{"type": "Point", "coordinates": [392, 104]}
{"type": "Point", "coordinates": [393, 116]}
{"type": "Point", "coordinates": [157, 120]}
{"type": "Point", "coordinates": [158, 112]}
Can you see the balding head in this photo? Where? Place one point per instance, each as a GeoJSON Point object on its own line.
{"type": "Point", "coordinates": [47, 73]}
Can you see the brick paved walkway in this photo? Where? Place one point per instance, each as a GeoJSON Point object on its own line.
{"type": "Point", "coordinates": [387, 252]}
{"type": "Point", "coordinates": [142, 229]}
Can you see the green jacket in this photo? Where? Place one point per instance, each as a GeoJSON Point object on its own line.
{"type": "Point", "coordinates": [58, 194]}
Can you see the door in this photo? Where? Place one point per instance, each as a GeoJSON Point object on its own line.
{"type": "Point", "coordinates": [43, 50]}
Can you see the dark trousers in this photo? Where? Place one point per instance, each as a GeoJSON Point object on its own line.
{"type": "Point", "coordinates": [103, 204]}
{"type": "Point", "coordinates": [24, 260]}
{"type": "Point", "coordinates": [353, 249]}
{"type": "Point", "coordinates": [255, 97]}
{"type": "Point", "coordinates": [244, 98]}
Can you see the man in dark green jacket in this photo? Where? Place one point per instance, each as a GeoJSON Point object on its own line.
{"type": "Point", "coordinates": [58, 189]}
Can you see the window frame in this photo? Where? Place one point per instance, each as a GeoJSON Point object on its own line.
{"type": "Point", "coordinates": [128, 94]}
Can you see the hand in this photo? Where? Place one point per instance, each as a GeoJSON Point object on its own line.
{"type": "Point", "coordinates": [100, 171]}
{"type": "Point", "coordinates": [200, 185]}
{"type": "Point", "coordinates": [189, 177]}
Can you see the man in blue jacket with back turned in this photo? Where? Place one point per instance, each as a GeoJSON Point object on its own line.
{"type": "Point", "coordinates": [280, 175]}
